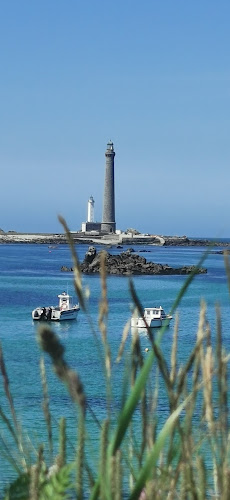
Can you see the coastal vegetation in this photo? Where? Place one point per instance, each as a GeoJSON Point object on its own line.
{"type": "Point", "coordinates": [178, 449]}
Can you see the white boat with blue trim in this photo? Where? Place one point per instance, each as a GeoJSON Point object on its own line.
{"type": "Point", "coordinates": [153, 317]}
{"type": "Point", "coordinates": [65, 310]}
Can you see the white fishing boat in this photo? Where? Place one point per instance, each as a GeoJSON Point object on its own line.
{"type": "Point", "coordinates": [65, 310]}
{"type": "Point", "coordinates": [153, 317]}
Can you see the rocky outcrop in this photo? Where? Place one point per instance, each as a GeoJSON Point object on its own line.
{"type": "Point", "coordinates": [189, 242]}
{"type": "Point", "coordinates": [184, 241]}
{"type": "Point", "coordinates": [128, 263]}
{"type": "Point", "coordinates": [39, 239]}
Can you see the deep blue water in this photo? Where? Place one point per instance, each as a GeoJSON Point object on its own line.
{"type": "Point", "coordinates": [31, 276]}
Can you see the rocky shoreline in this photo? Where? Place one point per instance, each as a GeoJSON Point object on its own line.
{"type": "Point", "coordinates": [128, 263]}
{"type": "Point", "coordinates": [107, 240]}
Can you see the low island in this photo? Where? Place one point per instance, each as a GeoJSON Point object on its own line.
{"type": "Point", "coordinates": [128, 263]}
{"type": "Point", "coordinates": [124, 238]}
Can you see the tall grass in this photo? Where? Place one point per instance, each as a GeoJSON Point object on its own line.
{"type": "Point", "coordinates": [185, 456]}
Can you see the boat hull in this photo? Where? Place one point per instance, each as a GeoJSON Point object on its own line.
{"type": "Point", "coordinates": [54, 314]}
{"type": "Point", "coordinates": [67, 315]}
{"type": "Point", "coordinates": [153, 323]}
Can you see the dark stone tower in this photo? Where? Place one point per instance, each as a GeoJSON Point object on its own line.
{"type": "Point", "coordinates": [108, 224]}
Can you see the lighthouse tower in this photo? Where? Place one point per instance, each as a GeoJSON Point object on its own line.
{"type": "Point", "coordinates": [90, 217]}
{"type": "Point", "coordinates": [108, 224]}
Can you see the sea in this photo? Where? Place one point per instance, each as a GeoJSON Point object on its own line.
{"type": "Point", "coordinates": [31, 276]}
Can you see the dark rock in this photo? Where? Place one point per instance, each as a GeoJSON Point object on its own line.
{"type": "Point", "coordinates": [66, 269]}
{"type": "Point", "coordinates": [127, 263]}
{"type": "Point", "coordinates": [188, 242]}
{"type": "Point", "coordinates": [90, 255]}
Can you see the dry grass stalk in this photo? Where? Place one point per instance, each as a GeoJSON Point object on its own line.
{"type": "Point", "coordinates": [115, 477]}
{"type": "Point", "coordinates": [202, 321]}
{"type": "Point", "coordinates": [80, 457]}
{"type": "Point", "coordinates": [207, 366]}
{"type": "Point", "coordinates": [136, 363]}
{"type": "Point", "coordinates": [130, 457]}
{"type": "Point", "coordinates": [155, 345]}
{"type": "Point", "coordinates": [151, 491]}
{"type": "Point", "coordinates": [112, 477]}
{"type": "Point", "coordinates": [186, 487]}
{"type": "Point", "coordinates": [184, 370]}
{"type": "Point", "coordinates": [8, 455]}
{"type": "Point", "coordinates": [123, 341]}
{"type": "Point", "coordinates": [82, 294]}
{"type": "Point", "coordinates": [103, 458]}
{"type": "Point", "coordinates": [90, 475]}
{"type": "Point", "coordinates": [197, 382]}
{"type": "Point", "coordinates": [207, 369]}
{"type": "Point", "coordinates": [118, 476]}
{"type": "Point", "coordinates": [201, 478]}
{"type": "Point", "coordinates": [227, 267]}
{"type": "Point", "coordinates": [139, 310]}
{"type": "Point", "coordinates": [224, 414]}
{"type": "Point", "coordinates": [7, 390]}
{"type": "Point", "coordinates": [223, 430]}
{"type": "Point", "coordinates": [103, 309]}
{"type": "Point", "coordinates": [103, 313]}
{"type": "Point", "coordinates": [152, 426]}
{"type": "Point", "coordinates": [190, 408]}
{"type": "Point", "coordinates": [188, 462]}
{"type": "Point", "coordinates": [45, 406]}
{"type": "Point", "coordinates": [136, 356]}
{"type": "Point", "coordinates": [77, 267]}
{"type": "Point", "coordinates": [16, 433]}
{"type": "Point", "coordinates": [221, 375]}
{"type": "Point", "coordinates": [34, 483]}
{"type": "Point", "coordinates": [226, 472]}
{"type": "Point", "coordinates": [144, 426]}
{"type": "Point", "coordinates": [50, 343]}
{"type": "Point", "coordinates": [35, 476]}
{"type": "Point", "coordinates": [61, 458]}
{"type": "Point", "coordinates": [9, 426]}
{"type": "Point", "coordinates": [172, 375]}
{"type": "Point", "coordinates": [173, 481]}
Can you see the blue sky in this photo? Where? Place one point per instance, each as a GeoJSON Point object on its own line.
{"type": "Point", "coordinates": [153, 76]}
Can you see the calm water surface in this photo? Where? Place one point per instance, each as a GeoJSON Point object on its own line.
{"type": "Point", "coordinates": [31, 276]}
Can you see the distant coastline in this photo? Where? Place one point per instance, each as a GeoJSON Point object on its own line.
{"type": "Point", "coordinates": [109, 240]}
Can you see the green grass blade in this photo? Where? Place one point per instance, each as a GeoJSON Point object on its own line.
{"type": "Point", "coordinates": [152, 458]}
{"type": "Point", "coordinates": [189, 280]}
{"type": "Point", "coordinates": [134, 396]}
{"type": "Point", "coordinates": [130, 405]}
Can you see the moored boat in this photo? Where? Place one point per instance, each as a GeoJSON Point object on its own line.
{"type": "Point", "coordinates": [65, 310]}
{"type": "Point", "coordinates": [153, 317]}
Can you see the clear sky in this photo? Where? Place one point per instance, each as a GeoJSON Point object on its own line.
{"type": "Point", "coordinates": [151, 75]}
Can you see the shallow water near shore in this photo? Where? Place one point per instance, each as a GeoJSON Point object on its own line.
{"type": "Point", "coordinates": [31, 276]}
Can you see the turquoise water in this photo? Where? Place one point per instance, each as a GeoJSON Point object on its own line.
{"type": "Point", "coordinates": [31, 276]}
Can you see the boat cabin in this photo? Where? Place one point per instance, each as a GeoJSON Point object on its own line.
{"type": "Point", "coordinates": [154, 312]}
{"type": "Point", "coordinates": [65, 301]}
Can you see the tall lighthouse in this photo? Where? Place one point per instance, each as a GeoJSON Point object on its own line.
{"type": "Point", "coordinates": [108, 224]}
